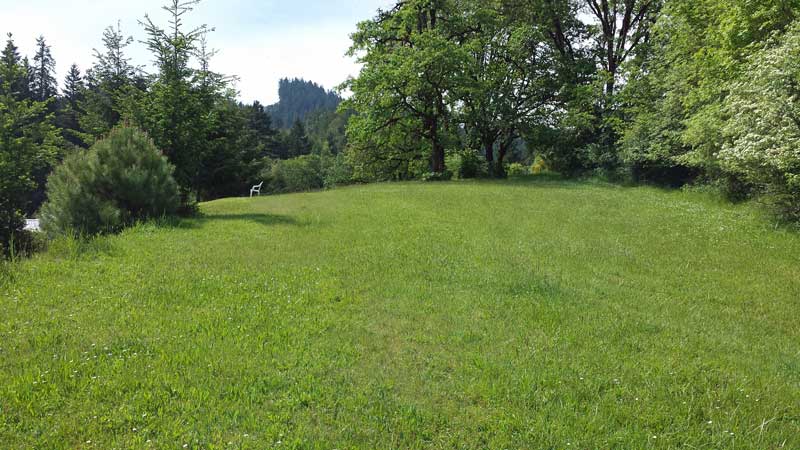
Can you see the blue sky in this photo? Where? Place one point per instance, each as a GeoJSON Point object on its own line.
{"type": "Point", "coordinates": [260, 41]}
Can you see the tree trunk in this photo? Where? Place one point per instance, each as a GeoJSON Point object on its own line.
{"type": "Point", "coordinates": [501, 155]}
{"type": "Point", "coordinates": [611, 83]}
{"type": "Point", "coordinates": [437, 149]}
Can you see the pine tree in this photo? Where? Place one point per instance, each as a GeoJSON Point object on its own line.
{"type": "Point", "coordinates": [70, 111]}
{"type": "Point", "coordinates": [28, 142]}
{"type": "Point", "coordinates": [73, 86]}
{"type": "Point", "coordinates": [112, 64]}
{"type": "Point", "coordinates": [261, 124]}
{"type": "Point", "coordinates": [106, 82]}
{"type": "Point", "coordinates": [43, 81]}
{"type": "Point", "coordinates": [297, 140]}
{"type": "Point", "coordinates": [176, 107]}
{"type": "Point", "coordinates": [26, 87]}
{"type": "Point", "coordinates": [13, 74]}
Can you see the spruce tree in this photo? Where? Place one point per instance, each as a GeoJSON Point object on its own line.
{"type": "Point", "coordinates": [73, 86]}
{"type": "Point", "coordinates": [13, 74]}
{"type": "Point", "coordinates": [70, 110]}
{"type": "Point", "coordinates": [174, 115]}
{"type": "Point", "coordinates": [297, 141]}
{"type": "Point", "coordinates": [43, 80]}
{"type": "Point", "coordinates": [28, 143]}
{"type": "Point", "coordinates": [107, 83]}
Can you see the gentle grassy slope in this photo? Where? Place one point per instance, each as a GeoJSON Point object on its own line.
{"type": "Point", "coordinates": [464, 315]}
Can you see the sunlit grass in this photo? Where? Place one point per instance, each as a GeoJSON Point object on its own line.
{"type": "Point", "coordinates": [529, 314]}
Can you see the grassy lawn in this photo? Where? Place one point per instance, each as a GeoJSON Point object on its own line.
{"type": "Point", "coordinates": [530, 314]}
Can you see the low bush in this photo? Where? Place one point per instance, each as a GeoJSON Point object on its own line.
{"type": "Point", "coordinates": [294, 175]}
{"type": "Point", "coordinates": [516, 170]}
{"type": "Point", "coordinates": [122, 179]}
{"type": "Point", "coordinates": [467, 164]}
{"type": "Point", "coordinates": [539, 166]}
{"type": "Point", "coordinates": [336, 171]}
{"type": "Point", "coordinates": [437, 176]}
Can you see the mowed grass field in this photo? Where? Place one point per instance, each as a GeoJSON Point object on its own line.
{"type": "Point", "coordinates": [485, 315]}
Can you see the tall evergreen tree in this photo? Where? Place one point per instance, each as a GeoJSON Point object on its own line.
{"type": "Point", "coordinates": [261, 125]}
{"type": "Point", "coordinates": [297, 140]}
{"type": "Point", "coordinates": [106, 84]}
{"type": "Point", "coordinates": [174, 114]}
{"type": "Point", "coordinates": [43, 79]}
{"type": "Point", "coordinates": [70, 110]}
{"type": "Point", "coordinates": [73, 86]}
{"type": "Point", "coordinates": [13, 71]}
{"type": "Point", "coordinates": [28, 143]}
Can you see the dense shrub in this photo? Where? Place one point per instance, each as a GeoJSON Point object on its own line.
{"type": "Point", "coordinates": [516, 170]}
{"type": "Point", "coordinates": [763, 133]}
{"type": "Point", "coordinates": [467, 164]}
{"type": "Point", "coordinates": [123, 178]}
{"type": "Point", "coordinates": [294, 175]}
{"type": "Point", "coordinates": [539, 166]}
{"type": "Point", "coordinates": [437, 176]}
{"type": "Point", "coordinates": [28, 144]}
{"type": "Point", "coordinates": [336, 171]}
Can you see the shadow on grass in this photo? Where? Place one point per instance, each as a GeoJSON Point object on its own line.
{"type": "Point", "coordinates": [267, 220]}
{"type": "Point", "coordinates": [548, 180]}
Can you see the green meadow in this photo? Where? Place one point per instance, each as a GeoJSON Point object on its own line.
{"type": "Point", "coordinates": [529, 314]}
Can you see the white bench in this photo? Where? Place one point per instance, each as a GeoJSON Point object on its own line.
{"type": "Point", "coordinates": [32, 225]}
{"type": "Point", "coordinates": [256, 189]}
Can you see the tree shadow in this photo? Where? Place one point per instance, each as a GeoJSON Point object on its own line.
{"type": "Point", "coordinates": [543, 180]}
{"type": "Point", "coordinates": [267, 220]}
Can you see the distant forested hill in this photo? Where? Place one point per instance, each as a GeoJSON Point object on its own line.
{"type": "Point", "coordinates": [299, 98]}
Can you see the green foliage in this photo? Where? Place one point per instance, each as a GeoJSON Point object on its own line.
{"type": "Point", "coordinates": [447, 175]}
{"type": "Point", "coordinates": [676, 96]}
{"type": "Point", "coordinates": [28, 143]}
{"type": "Point", "coordinates": [175, 111]}
{"type": "Point", "coordinates": [762, 134]}
{"type": "Point", "coordinates": [517, 170]}
{"type": "Point", "coordinates": [336, 171]}
{"type": "Point", "coordinates": [109, 82]}
{"type": "Point", "coordinates": [296, 141]}
{"type": "Point", "coordinates": [467, 164]}
{"type": "Point", "coordinates": [510, 84]}
{"type": "Point", "coordinates": [327, 130]}
{"type": "Point", "coordinates": [122, 179]}
{"type": "Point", "coordinates": [298, 100]}
{"type": "Point", "coordinates": [403, 95]}
{"type": "Point", "coordinates": [43, 78]}
{"type": "Point", "coordinates": [539, 166]}
{"type": "Point", "coordinates": [300, 174]}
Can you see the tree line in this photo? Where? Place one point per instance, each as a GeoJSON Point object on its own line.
{"type": "Point", "coordinates": [664, 91]}
{"type": "Point", "coordinates": [217, 145]}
